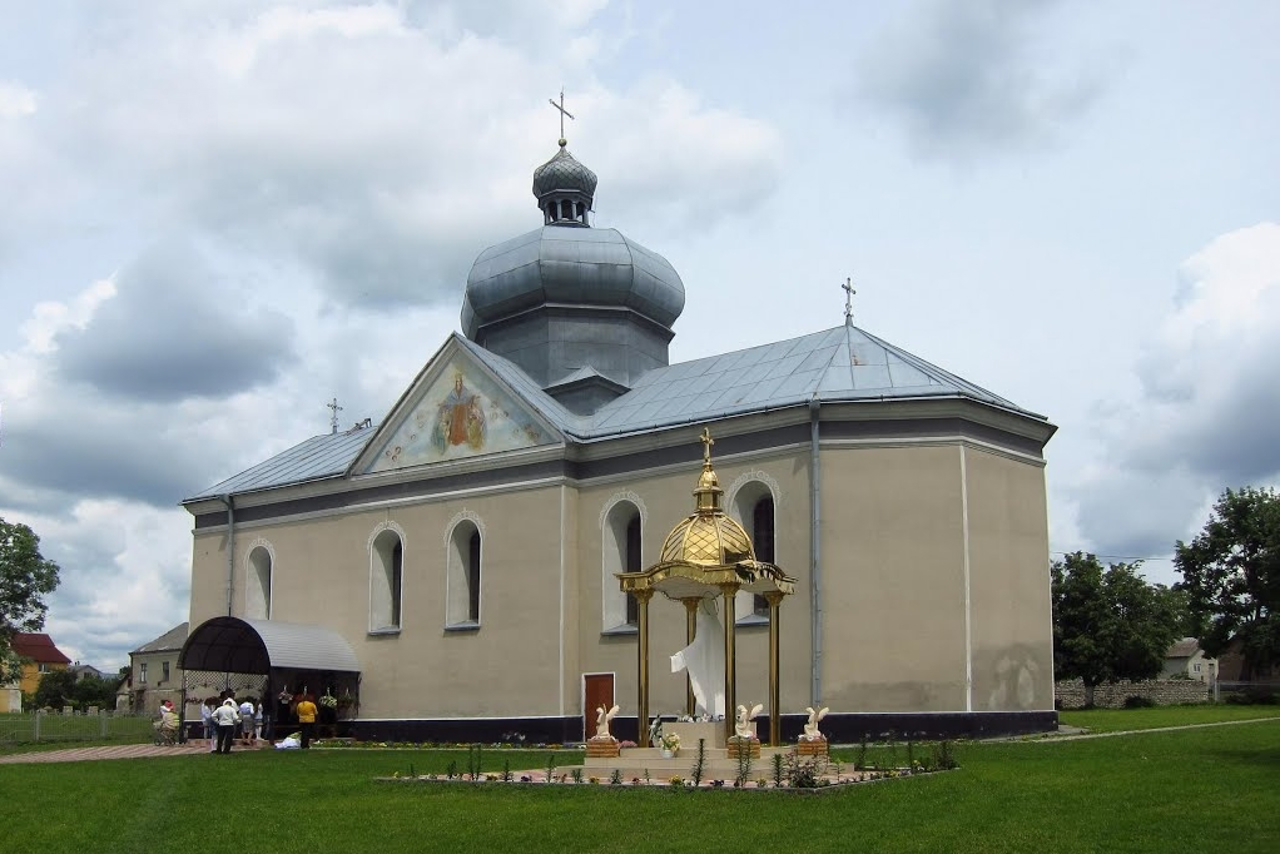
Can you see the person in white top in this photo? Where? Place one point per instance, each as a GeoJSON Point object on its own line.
{"type": "Point", "coordinates": [226, 717]}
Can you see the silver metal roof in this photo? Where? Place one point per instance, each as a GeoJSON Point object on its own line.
{"type": "Point", "coordinates": [836, 365]}
{"type": "Point", "coordinates": [843, 364]}
{"type": "Point", "coordinates": [235, 645]}
{"type": "Point", "coordinates": [315, 459]}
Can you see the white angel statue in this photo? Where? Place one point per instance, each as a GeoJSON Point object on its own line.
{"type": "Point", "coordinates": [811, 728]}
{"type": "Point", "coordinates": [743, 726]}
{"type": "Point", "coordinates": [603, 716]}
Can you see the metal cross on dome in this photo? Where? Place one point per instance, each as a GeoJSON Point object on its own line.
{"type": "Point", "coordinates": [848, 300]}
{"type": "Point", "coordinates": [707, 442]}
{"type": "Point", "coordinates": [563, 113]}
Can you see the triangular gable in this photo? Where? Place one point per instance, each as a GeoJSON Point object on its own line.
{"type": "Point", "coordinates": [456, 408]}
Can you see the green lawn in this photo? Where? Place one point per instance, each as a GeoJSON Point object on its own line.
{"type": "Point", "coordinates": [17, 731]}
{"type": "Point", "coordinates": [1213, 789]}
{"type": "Point", "coordinates": [1115, 720]}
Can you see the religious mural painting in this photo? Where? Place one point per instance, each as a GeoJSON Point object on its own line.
{"type": "Point", "coordinates": [462, 413]}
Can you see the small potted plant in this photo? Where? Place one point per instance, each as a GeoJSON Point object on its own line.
{"type": "Point", "coordinates": [670, 744]}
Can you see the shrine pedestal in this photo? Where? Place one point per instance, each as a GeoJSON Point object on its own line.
{"type": "Point", "coordinates": [738, 746]}
{"type": "Point", "coordinates": [605, 747]}
{"type": "Point", "coordinates": [816, 747]}
{"type": "Point", "coordinates": [690, 731]}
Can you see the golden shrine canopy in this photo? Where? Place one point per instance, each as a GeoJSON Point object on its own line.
{"type": "Point", "coordinates": [707, 550]}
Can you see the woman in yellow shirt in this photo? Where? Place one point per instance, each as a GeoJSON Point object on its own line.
{"type": "Point", "coordinates": [307, 719]}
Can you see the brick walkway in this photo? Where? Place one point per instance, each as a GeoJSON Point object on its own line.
{"type": "Point", "coordinates": [123, 751]}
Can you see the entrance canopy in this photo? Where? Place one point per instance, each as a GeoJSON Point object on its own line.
{"type": "Point", "coordinates": [235, 645]}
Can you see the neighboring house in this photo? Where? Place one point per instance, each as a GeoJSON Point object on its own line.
{"type": "Point", "coordinates": [1186, 658]}
{"type": "Point", "coordinates": [84, 671]}
{"type": "Point", "coordinates": [1232, 667]}
{"type": "Point", "coordinates": [40, 656]}
{"type": "Point", "coordinates": [154, 673]}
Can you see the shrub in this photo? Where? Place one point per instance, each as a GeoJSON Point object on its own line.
{"type": "Point", "coordinates": [1137, 701]}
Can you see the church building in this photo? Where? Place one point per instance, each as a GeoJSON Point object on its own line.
{"type": "Point", "coordinates": [453, 573]}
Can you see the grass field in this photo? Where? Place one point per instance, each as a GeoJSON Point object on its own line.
{"type": "Point", "coordinates": [1117, 720]}
{"type": "Point", "coordinates": [19, 730]}
{"type": "Point", "coordinates": [1211, 789]}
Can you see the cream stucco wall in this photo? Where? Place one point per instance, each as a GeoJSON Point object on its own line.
{"type": "Point", "coordinates": [1010, 620]}
{"type": "Point", "coordinates": [893, 578]}
{"type": "Point", "coordinates": [933, 572]}
{"type": "Point", "coordinates": [321, 575]}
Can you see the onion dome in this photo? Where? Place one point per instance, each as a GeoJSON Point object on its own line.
{"type": "Point", "coordinates": [564, 189]}
{"type": "Point", "coordinates": [583, 311]}
{"type": "Point", "coordinates": [596, 267]}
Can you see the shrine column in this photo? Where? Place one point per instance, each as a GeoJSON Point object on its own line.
{"type": "Point", "coordinates": [774, 598]}
{"type": "Point", "coordinates": [642, 665]}
{"type": "Point", "coordinates": [690, 632]}
{"type": "Point", "coordinates": [730, 657]}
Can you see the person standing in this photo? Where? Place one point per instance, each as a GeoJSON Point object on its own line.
{"type": "Point", "coordinates": [246, 720]}
{"type": "Point", "coordinates": [206, 717]}
{"type": "Point", "coordinates": [307, 719]}
{"type": "Point", "coordinates": [226, 717]}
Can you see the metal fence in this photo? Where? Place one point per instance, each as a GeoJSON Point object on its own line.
{"type": "Point", "coordinates": [38, 727]}
{"type": "Point", "coordinates": [1267, 691]}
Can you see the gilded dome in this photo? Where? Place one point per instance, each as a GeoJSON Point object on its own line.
{"type": "Point", "coordinates": [707, 539]}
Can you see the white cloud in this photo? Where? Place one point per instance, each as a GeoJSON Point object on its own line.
{"type": "Point", "coordinates": [1207, 417]}
{"type": "Point", "coordinates": [969, 78]}
{"type": "Point", "coordinates": [16, 100]}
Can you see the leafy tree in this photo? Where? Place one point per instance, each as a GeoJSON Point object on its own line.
{"type": "Point", "coordinates": [56, 689]}
{"type": "Point", "coordinates": [94, 691]}
{"type": "Point", "coordinates": [1231, 573]}
{"type": "Point", "coordinates": [1108, 624]}
{"type": "Point", "coordinates": [26, 577]}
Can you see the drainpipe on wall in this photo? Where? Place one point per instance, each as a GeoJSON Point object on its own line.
{"type": "Point", "coordinates": [231, 545]}
{"type": "Point", "coordinates": [815, 555]}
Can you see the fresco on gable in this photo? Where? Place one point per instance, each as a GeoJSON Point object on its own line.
{"type": "Point", "coordinates": [462, 414]}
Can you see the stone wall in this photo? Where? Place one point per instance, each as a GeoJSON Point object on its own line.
{"type": "Point", "coordinates": [1165, 692]}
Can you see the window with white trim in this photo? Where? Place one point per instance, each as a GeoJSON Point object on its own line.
{"type": "Point", "coordinates": [621, 537]}
{"type": "Point", "coordinates": [754, 508]}
{"type": "Point", "coordinates": [464, 576]}
{"type": "Point", "coordinates": [386, 581]}
{"type": "Point", "coordinates": [257, 603]}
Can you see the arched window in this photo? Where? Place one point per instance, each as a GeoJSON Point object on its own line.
{"type": "Point", "coordinates": [753, 506]}
{"type": "Point", "coordinates": [386, 581]}
{"type": "Point", "coordinates": [762, 539]}
{"type": "Point", "coordinates": [621, 537]}
{"type": "Point", "coordinates": [257, 596]}
{"type": "Point", "coordinates": [463, 581]}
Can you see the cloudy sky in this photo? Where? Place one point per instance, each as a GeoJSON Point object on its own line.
{"type": "Point", "coordinates": [218, 216]}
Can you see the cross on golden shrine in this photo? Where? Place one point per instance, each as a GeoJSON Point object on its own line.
{"type": "Point", "coordinates": [563, 113]}
{"type": "Point", "coordinates": [848, 301]}
{"type": "Point", "coordinates": [707, 442]}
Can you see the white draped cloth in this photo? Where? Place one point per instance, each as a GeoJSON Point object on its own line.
{"type": "Point", "coordinates": [704, 660]}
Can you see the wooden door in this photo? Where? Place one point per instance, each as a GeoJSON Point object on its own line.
{"type": "Point", "coordinates": [597, 691]}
